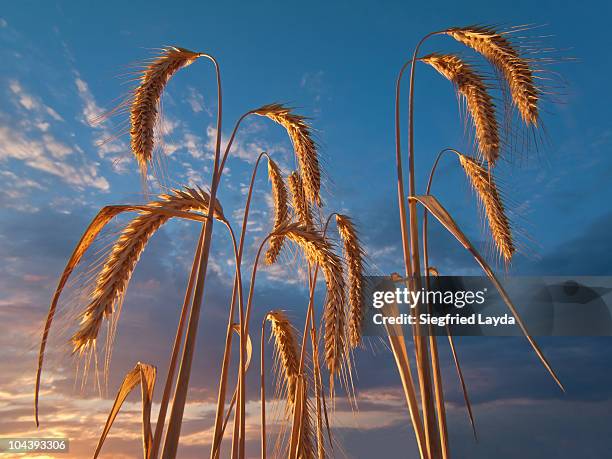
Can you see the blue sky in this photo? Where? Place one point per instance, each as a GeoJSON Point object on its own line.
{"type": "Point", "coordinates": [337, 63]}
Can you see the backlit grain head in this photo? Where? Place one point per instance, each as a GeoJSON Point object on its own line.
{"type": "Point", "coordinates": [145, 102]}
{"type": "Point", "coordinates": [505, 57]}
{"type": "Point", "coordinates": [319, 251]}
{"type": "Point", "coordinates": [112, 280]}
{"type": "Point", "coordinates": [353, 254]}
{"type": "Point", "coordinates": [286, 351]}
{"type": "Point", "coordinates": [299, 132]}
{"type": "Point", "coordinates": [479, 103]}
{"type": "Point", "coordinates": [486, 190]}
{"type": "Point", "coordinates": [301, 207]}
{"type": "Point", "coordinates": [281, 211]}
{"type": "Point", "coordinates": [306, 448]}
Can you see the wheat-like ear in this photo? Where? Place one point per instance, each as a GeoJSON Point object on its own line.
{"type": "Point", "coordinates": [353, 254]}
{"type": "Point", "coordinates": [482, 182]}
{"type": "Point", "coordinates": [306, 448]}
{"type": "Point", "coordinates": [301, 207]}
{"type": "Point", "coordinates": [112, 280]}
{"type": "Point", "coordinates": [480, 106]}
{"type": "Point", "coordinates": [500, 52]}
{"type": "Point", "coordinates": [145, 103]}
{"type": "Point", "coordinates": [319, 251]}
{"type": "Point", "coordinates": [299, 132]}
{"type": "Point", "coordinates": [281, 211]}
{"type": "Point", "coordinates": [286, 351]}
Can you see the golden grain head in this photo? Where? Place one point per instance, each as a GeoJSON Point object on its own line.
{"type": "Point", "coordinates": [305, 148]}
{"type": "Point", "coordinates": [306, 447]}
{"type": "Point", "coordinates": [482, 182]}
{"type": "Point", "coordinates": [286, 351]}
{"type": "Point", "coordinates": [145, 102]}
{"type": "Point", "coordinates": [301, 207]}
{"type": "Point", "coordinates": [353, 254]}
{"type": "Point", "coordinates": [281, 211]}
{"type": "Point", "coordinates": [478, 101]}
{"type": "Point", "coordinates": [506, 58]}
{"type": "Point", "coordinates": [112, 280]}
{"type": "Point", "coordinates": [319, 251]}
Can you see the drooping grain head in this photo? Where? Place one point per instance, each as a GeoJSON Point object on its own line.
{"type": "Point", "coordinates": [505, 57]}
{"type": "Point", "coordinates": [286, 347]}
{"type": "Point", "coordinates": [281, 211]}
{"type": "Point", "coordinates": [145, 102]}
{"type": "Point", "coordinates": [301, 208]}
{"type": "Point", "coordinates": [479, 103]}
{"type": "Point", "coordinates": [486, 190]}
{"type": "Point", "coordinates": [305, 148]}
{"type": "Point", "coordinates": [353, 254]}
{"type": "Point", "coordinates": [306, 447]}
{"type": "Point", "coordinates": [112, 280]}
{"type": "Point", "coordinates": [319, 251]}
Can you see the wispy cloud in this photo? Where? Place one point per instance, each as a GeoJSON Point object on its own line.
{"type": "Point", "coordinates": [195, 100]}
{"type": "Point", "coordinates": [105, 138]}
{"type": "Point", "coordinates": [47, 154]}
{"type": "Point", "coordinates": [31, 102]}
{"type": "Point", "coordinates": [91, 111]}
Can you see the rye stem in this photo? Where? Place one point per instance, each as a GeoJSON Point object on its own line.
{"type": "Point", "coordinates": [161, 418]}
{"type": "Point", "coordinates": [182, 384]}
{"type": "Point", "coordinates": [423, 368]}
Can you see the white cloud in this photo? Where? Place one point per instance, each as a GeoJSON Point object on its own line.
{"type": "Point", "coordinates": [194, 145]}
{"type": "Point", "coordinates": [31, 143]}
{"type": "Point", "coordinates": [167, 125]}
{"type": "Point", "coordinates": [109, 145]}
{"type": "Point", "coordinates": [163, 130]}
{"type": "Point", "coordinates": [196, 100]}
{"type": "Point", "coordinates": [32, 103]}
{"type": "Point", "coordinates": [15, 190]}
{"type": "Point", "coordinates": [19, 182]}
{"type": "Point", "coordinates": [91, 111]}
{"type": "Point", "coordinates": [43, 126]}
{"type": "Point", "coordinates": [3, 23]}
{"type": "Point", "coordinates": [193, 177]}
{"type": "Point", "coordinates": [48, 155]}
{"type": "Point", "coordinates": [246, 149]}
{"type": "Point", "coordinates": [57, 149]}
{"type": "Point", "coordinates": [170, 147]}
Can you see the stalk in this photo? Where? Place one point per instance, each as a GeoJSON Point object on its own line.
{"type": "Point", "coordinates": [437, 377]}
{"type": "Point", "coordinates": [263, 392]}
{"type": "Point", "coordinates": [318, 395]}
{"type": "Point", "coordinates": [442, 415]}
{"type": "Point", "coordinates": [161, 418]}
{"type": "Point", "coordinates": [246, 322]}
{"type": "Point", "coordinates": [317, 379]}
{"type": "Point", "coordinates": [218, 432]}
{"type": "Point", "coordinates": [244, 329]}
{"type": "Point", "coordinates": [236, 431]}
{"type": "Point", "coordinates": [243, 334]}
{"type": "Point", "coordinates": [423, 369]}
{"type": "Point", "coordinates": [180, 396]}
{"type": "Point", "coordinates": [219, 422]}
{"type": "Point", "coordinates": [397, 348]}
{"type": "Point", "coordinates": [309, 322]}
